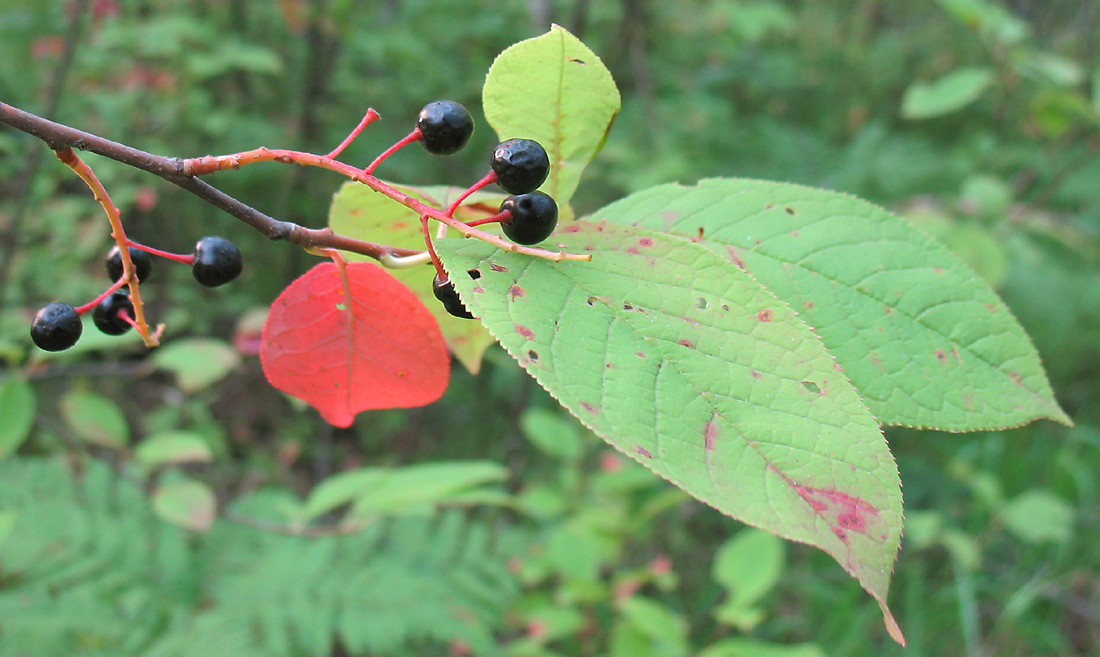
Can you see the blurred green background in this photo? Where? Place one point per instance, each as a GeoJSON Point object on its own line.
{"type": "Point", "coordinates": [170, 503]}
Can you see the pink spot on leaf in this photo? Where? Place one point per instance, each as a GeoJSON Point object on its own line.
{"type": "Point", "coordinates": [588, 407]}
{"type": "Point", "coordinates": [496, 267]}
{"type": "Point", "coordinates": [710, 433]}
{"type": "Point", "coordinates": [643, 451]}
{"type": "Point", "coordinates": [525, 332]}
{"type": "Point", "coordinates": [765, 315]}
{"type": "Point", "coordinates": [685, 343]}
{"type": "Point", "coordinates": [516, 291]}
{"type": "Point", "coordinates": [644, 242]}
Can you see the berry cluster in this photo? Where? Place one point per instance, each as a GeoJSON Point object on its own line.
{"type": "Point", "coordinates": [518, 166]}
{"type": "Point", "coordinates": [56, 327]}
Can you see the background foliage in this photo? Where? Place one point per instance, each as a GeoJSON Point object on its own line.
{"type": "Point", "coordinates": [977, 120]}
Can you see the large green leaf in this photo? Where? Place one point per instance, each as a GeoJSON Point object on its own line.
{"type": "Point", "coordinates": [925, 341]}
{"type": "Point", "coordinates": [553, 89]}
{"type": "Point", "coordinates": [360, 212]}
{"type": "Point", "coordinates": [17, 410]}
{"type": "Point", "coordinates": [681, 360]}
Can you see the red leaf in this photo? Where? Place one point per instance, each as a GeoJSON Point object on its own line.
{"type": "Point", "coordinates": [383, 350]}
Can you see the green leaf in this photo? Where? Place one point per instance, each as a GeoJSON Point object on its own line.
{"type": "Point", "coordinates": [173, 447]}
{"type": "Point", "coordinates": [95, 419]}
{"type": "Point", "coordinates": [553, 434]}
{"type": "Point", "coordinates": [684, 362]}
{"type": "Point", "coordinates": [198, 363]}
{"type": "Point", "coordinates": [187, 503]}
{"type": "Point", "coordinates": [553, 89]}
{"type": "Point", "coordinates": [17, 408]}
{"type": "Point", "coordinates": [950, 93]}
{"type": "Point", "coordinates": [742, 647]}
{"type": "Point", "coordinates": [748, 565]}
{"type": "Point", "coordinates": [360, 212]}
{"type": "Point", "coordinates": [378, 491]}
{"type": "Point", "coordinates": [1037, 516]}
{"type": "Point", "coordinates": [658, 623]}
{"type": "Point", "coordinates": [925, 341]}
{"type": "Point", "coordinates": [7, 523]}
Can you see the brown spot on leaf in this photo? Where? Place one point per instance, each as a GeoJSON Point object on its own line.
{"type": "Point", "coordinates": [757, 375]}
{"type": "Point", "coordinates": [640, 354]}
{"type": "Point", "coordinates": [1016, 378]}
{"type": "Point", "coordinates": [527, 333]}
{"type": "Point", "coordinates": [496, 267]}
{"type": "Point", "coordinates": [685, 343]}
{"type": "Point", "coordinates": [794, 233]}
{"type": "Point", "coordinates": [937, 270]}
{"type": "Point", "coordinates": [808, 305]}
{"type": "Point", "coordinates": [765, 315]}
{"type": "Point", "coordinates": [940, 356]}
{"type": "Point", "coordinates": [515, 292]}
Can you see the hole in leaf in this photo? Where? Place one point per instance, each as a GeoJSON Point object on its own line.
{"type": "Point", "coordinates": [702, 305]}
{"type": "Point", "coordinates": [474, 273]}
{"type": "Point", "coordinates": [812, 387]}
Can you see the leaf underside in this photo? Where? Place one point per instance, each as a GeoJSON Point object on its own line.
{"type": "Point", "coordinates": [681, 360]}
{"type": "Point", "coordinates": [377, 347]}
{"type": "Point", "coordinates": [925, 341]}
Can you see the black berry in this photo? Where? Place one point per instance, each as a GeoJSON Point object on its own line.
{"type": "Point", "coordinates": [445, 127]}
{"type": "Point", "coordinates": [143, 263]}
{"type": "Point", "coordinates": [521, 165]}
{"type": "Point", "coordinates": [106, 313]}
{"type": "Point", "coordinates": [217, 261]}
{"type": "Point", "coordinates": [56, 327]}
{"type": "Point", "coordinates": [533, 217]}
{"type": "Point", "coordinates": [445, 292]}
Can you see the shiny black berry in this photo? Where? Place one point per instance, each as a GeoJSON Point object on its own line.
{"type": "Point", "coordinates": [445, 292]}
{"type": "Point", "coordinates": [56, 327]}
{"type": "Point", "coordinates": [521, 165]}
{"type": "Point", "coordinates": [533, 217]}
{"type": "Point", "coordinates": [106, 314]}
{"type": "Point", "coordinates": [217, 261]}
{"type": "Point", "coordinates": [143, 263]}
{"type": "Point", "coordinates": [445, 127]}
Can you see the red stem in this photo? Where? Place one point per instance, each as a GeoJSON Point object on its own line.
{"type": "Point", "coordinates": [489, 179]}
{"type": "Point", "coordinates": [80, 310]}
{"type": "Point", "coordinates": [370, 117]}
{"type": "Point", "coordinates": [405, 141]}
{"type": "Point", "coordinates": [431, 248]}
{"type": "Point", "coordinates": [185, 259]}
{"type": "Point", "coordinates": [502, 217]}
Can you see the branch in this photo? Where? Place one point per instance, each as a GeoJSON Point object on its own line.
{"type": "Point", "coordinates": [61, 137]}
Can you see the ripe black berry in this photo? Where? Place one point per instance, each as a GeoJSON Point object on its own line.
{"type": "Point", "coordinates": [521, 165]}
{"type": "Point", "coordinates": [143, 263]}
{"type": "Point", "coordinates": [533, 217]}
{"type": "Point", "coordinates": [106, 313]}
{"type": "Point", "coordinates": [56, 327]}
{"type": "Point", "coordinates": [445, 127]}
{"type": "Point", "coordinates": [445, 292]}
{"type": "Point", "coordinates": [217, 261]}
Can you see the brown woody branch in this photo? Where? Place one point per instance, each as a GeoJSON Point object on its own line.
{"type": "Point", "coordinates": [173, 169]}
